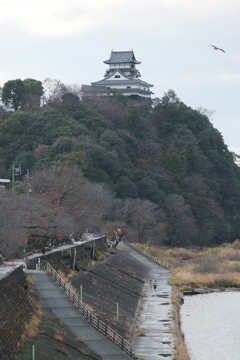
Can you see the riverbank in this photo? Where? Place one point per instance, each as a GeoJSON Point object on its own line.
{"type": "Point", "coordinates": [207, 268]}
{"type": "Point", "coordinates": [197, 271]}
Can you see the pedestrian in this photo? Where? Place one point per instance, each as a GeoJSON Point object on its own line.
{"type": "Point", "coordinates": [150, 284]}
{"type": "Point", "coordinates": [155, 284]}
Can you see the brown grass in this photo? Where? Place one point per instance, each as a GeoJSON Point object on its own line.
{"type": "Point", "coordinates": [204, 268]}
{"type": "Point", "coordinates": [141, 332]}
{"type": "Point", "coordinates": [83, 351]}
{"type": "Point", "coordinates": [29, 280]}
{"type": "Point", "coordinates": [71, 274]}
{"type": "Point", "coordinates": [58, 337]}
{"type": "Point", "coordinates": [62, 275]}
{"type": "Point", "coordinates": [31, 328]}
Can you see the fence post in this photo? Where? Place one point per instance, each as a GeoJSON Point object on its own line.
{"type": "Point", "coordinates": [33, 352]}
{"type": "Point", "coordinates": [81, 292]}
{"type": "Point", "coordinates": [117, 312]}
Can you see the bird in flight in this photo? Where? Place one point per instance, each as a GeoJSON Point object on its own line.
{"type": "Point", "coordinates": [216, 48]}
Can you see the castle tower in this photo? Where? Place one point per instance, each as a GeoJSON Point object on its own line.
{"type": "Point", "coordinates": [122, 75]}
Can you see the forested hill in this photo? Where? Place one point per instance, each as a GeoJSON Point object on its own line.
{"type": "Point", "coordinates": [168, 154]}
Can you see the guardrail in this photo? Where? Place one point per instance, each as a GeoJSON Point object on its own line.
{"type": "Point", "coordinates": [147, 255]}
{"type": "Point", "coordinates": [99, 325]}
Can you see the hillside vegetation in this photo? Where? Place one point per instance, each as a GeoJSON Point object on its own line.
{"type": "Point", "coordinates": [162, 172]}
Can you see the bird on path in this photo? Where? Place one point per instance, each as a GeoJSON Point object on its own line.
{"type": "Point", "coordinates": [216, 48]}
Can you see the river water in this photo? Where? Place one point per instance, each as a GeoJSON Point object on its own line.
{"type": "Point", "coordinates": [211, 326]}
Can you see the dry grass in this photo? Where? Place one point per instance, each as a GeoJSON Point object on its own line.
{"type": "Point", "coordinates": [71, 274]}
{"type": "Point", "coordinates": [29, 280]}
{"type": "Point", "coordinates": [205, 268]}
{"type": "Point", "coordinates": [141, 332]}
{"type": "Point", "coordinates": [62, 275]}
{"type": "Point", "coordinates": [181, 352]}
{"type": "Point", "coordinates": [83, 351]}
{"type": "Point", "coordinates": [31, 328]}
{"type": "Point", "coordinates": [58, 337]}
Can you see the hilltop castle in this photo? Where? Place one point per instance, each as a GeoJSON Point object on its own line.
{"type": "Point", "coordinates": [121, 75]}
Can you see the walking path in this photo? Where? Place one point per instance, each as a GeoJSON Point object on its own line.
{"type": "Point", "coordinates": [55, 304]}
{"type": "Point", "coordinates": [156, 315]}
{"type": "Point", "coordinates": [155, 318]}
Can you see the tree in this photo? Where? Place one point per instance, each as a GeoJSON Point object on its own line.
{"type": "Point", "coordinates": [33, 94]}
{"type": "Point", "coordinates": [54, 89]}
{"type": "Point", "coordinates": [70, 102]}
{"type": "Point", "coordinates": [12, 231]}
{"type": "Point", "coordinates": [69, 194]}
{"type": "Point", "coordinates": [144, 218]}
{"type": "Point", "coordinates": [182, 228]}
{"type": "Point", "coordinates": [116, 94]}
{"type": "Point", "coordinates": [13, 92]}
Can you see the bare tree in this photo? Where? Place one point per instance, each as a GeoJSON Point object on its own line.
{"type": "Point", "coordinates": [144, 218]}
{"type": "Point", "coordinates": [182, 229]}
{"type": "Point", "coordinates": [53, 90]}
{"type": "Point", "coordinates": [68, 192]}
{"type": "Point", "coordinates": [12, 232]}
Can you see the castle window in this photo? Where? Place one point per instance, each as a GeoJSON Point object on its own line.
{"type": "Point", "coordinates": [128, 87]}
{"type": "Point", "coordinates": [117, 76]}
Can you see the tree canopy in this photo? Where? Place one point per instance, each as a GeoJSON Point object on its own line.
{"type": "Point", "coordinates": [164, 158]}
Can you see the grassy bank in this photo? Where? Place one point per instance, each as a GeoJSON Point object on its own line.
{"type": "Point", "coordinates": [201, 268]}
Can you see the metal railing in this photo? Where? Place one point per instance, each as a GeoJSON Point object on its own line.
{"type": "Point", "coordinates": [99, 325]}
{"type": "Point", "coordinates": [147, 255]}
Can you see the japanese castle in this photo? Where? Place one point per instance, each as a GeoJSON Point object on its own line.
{"type": "Point", "coordinates": [122, 75]}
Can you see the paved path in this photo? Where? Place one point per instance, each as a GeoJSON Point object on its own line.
{"type": "Point", "coordinates": [156, 314]}
{"type": "Point", "coordinates": [55, 304]}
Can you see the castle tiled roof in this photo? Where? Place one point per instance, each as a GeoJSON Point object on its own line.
{"type": "Point", "coordinates": [122, 57]}
{"type": "Point", "coordinates": [109, 80]}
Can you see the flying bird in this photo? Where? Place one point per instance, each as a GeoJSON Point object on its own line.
{"type": "Point", "coordinates": [216, 48]}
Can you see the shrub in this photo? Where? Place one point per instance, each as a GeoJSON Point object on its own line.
{"type": "Point", "coordinates": [208, 264]}
{"type": "Point", "coordinates": [224, 283]}
{"type": "Point", "coordinates": [214, 251]}
{"type": "Point", "coordinates": [236, 244]}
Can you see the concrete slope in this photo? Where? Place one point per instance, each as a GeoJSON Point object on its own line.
{"type": "Point", "coordinates": [55, 304]}
{"type": "Point", "coordinates": [156, 315]}
{"type": "Point", "coordinates": [118, 279]}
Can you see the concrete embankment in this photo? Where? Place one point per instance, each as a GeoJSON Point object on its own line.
{"type": "Point", "coordinates": [115, 281]}
{"type": "Point", "coordinates": [120, 279]}
{"type": "Point", "coordinates": [15, 310]}
{"type": "Point", "coordinates": [56, 305]}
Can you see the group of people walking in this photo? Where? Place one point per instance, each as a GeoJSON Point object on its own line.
{"type": "Point", "coordinates": [153, 284]}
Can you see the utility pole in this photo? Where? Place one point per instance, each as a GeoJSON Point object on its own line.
{"type": "Point", "coordinates": [28, 185]}
{"type": "Point", "coordinates": [15, 171]}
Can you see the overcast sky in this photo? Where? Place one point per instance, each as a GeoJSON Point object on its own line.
{"type": "Point", "coordinates": [70, 39]}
